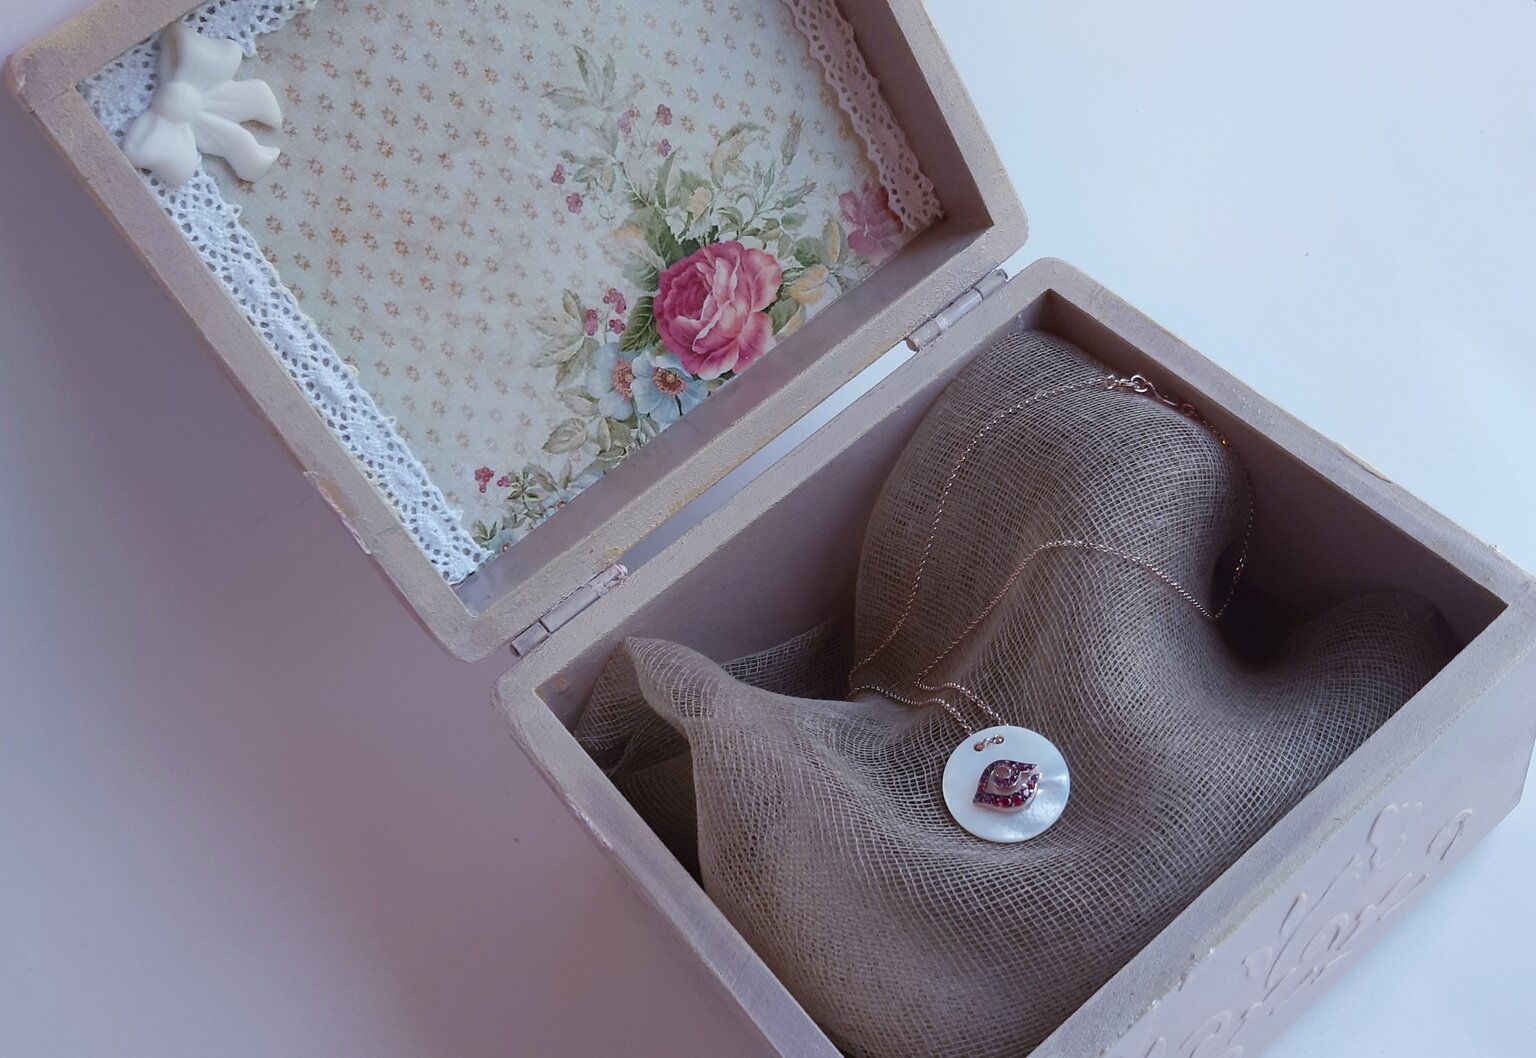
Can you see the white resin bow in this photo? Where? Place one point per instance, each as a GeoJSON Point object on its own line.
{"type": "Point", "coordinates": [197, 109]}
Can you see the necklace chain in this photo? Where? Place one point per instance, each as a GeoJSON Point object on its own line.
{"type": "Point", "coordinates": [1108, 382]}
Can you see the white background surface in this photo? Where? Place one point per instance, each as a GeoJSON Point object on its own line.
{"type": "Point", "coordinates": [247, 808]}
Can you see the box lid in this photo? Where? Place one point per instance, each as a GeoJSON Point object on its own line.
{"type": "Point", "coordinates": [921, 114]}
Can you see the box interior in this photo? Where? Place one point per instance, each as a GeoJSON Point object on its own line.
{"type": "Point", "coordinates": [796, 558]}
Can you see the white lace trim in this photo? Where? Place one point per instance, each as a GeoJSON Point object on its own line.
{"type": "Point", "coordinates": [912, 197]}
{"type": "Point", "coordinates": [118, 93]}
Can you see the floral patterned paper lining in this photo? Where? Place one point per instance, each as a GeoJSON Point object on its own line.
{"type": "Point", "coordinates": [541, 237]}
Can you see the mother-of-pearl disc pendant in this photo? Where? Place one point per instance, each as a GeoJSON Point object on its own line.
{"type": "Point", "coordinates": [1006, 784]}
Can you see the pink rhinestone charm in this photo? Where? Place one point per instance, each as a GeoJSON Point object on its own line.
{"type": "Point", "coordinates": [1007, 785]}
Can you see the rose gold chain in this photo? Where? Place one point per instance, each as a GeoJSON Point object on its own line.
{"type": "Point", "coordinates": [1134, 384]}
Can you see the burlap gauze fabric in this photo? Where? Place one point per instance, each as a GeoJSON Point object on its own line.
{"type": "Point", "coordinates": [820, 828]}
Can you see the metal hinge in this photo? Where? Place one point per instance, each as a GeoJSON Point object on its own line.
{"type": "Point", "coordinates": [591, 590]}
{"type": "Point", "coordinates": [950, 314]}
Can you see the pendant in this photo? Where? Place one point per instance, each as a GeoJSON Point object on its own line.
{"type": "Point", "coordinates": [1006, 784]}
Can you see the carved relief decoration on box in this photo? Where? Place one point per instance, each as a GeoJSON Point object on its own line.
{"type": "Point", "coordinates": [524, 239]}
{"type": "Point", "coordinates": [1239, 996]}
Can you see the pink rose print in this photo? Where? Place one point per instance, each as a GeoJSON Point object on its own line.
{"type": "Point", "coordinates": [710, 307]}
{"type": "Point", "coordinates": [664, 148]}
{"type": "Point", "coordinates": [483, 477]}
{"type": "Point", "coordinates": [558, 176]}
{"type": "Point", "coordinates": [872, 227]}
{"type": "Point", "coordinates": [573, 203]}
{"type": "Point", "coordinates": [664, 114]}
{"type": "Point", "coordinates": [616, 299]}
{"type": "Point", "coordinates": [590, 321]}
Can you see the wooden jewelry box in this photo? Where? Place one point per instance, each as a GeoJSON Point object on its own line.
{"type": "Point", "coordinates": [1286, 919]}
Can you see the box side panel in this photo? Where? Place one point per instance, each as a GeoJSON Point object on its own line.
{"type": "Point", "coordinates": [1242, 992]}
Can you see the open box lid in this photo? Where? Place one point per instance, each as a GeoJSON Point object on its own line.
{"type": "Point", "coordinates": [564, 561]}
